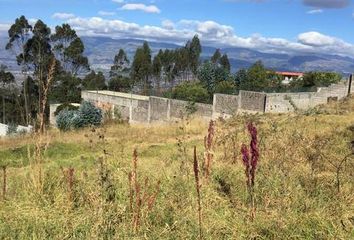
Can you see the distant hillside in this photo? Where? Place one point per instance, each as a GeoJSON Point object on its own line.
{"type": "Point", "coordinates": [101, 51]}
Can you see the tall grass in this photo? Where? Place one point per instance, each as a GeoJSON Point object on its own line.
{"type": "Point", "coordinates": [295, 181]}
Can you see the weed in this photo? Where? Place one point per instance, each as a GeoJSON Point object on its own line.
{"type": "Point", "coordinates": [208, 144]}
{"type": "Point", "coordinates": [198, 187]}
{"type": "Point", "coordinates": [250, 161]}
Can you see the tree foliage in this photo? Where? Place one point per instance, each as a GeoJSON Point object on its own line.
{"type": "Point", "coordinates": [316, 79]}
{"type": "Point", "coordinates": [257, 78]}
{"type": "Point", "coordinates": [210, 75]}
{"type": "Point", "coordinates": [142, 68]}
{"type": "Point", "coordinates": [6, 78]}
{"type": "Point", "coordinates": [120, 84]}
{"type": "Point", "coordinates": [120, 64]}
{"type": "Point", "coordinates": [66, 88]}
{"type": "Point", "coordinates": [191, 91]}
{"type": "Point", "coordinates": [94, 81]}
{"type": "Point", "coordinates": [69, 49]}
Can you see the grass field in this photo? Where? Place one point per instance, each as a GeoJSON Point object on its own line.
{"type": "Point", "coordinates": [81, 184]}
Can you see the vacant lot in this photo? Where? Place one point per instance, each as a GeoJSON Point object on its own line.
{"type": "Point", "coordinates": [83, 185]}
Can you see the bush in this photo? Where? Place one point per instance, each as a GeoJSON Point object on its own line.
{"type": "Point", "coordinates": [191, 91]}
{"type": "Point", "coordinates": [225, 87]}
{"type": "Point", "coordinates": [90, 115]}
{"type": "Point", "coordinates": [11, 129]}
{"type": "Point", "coordinates": [66, 118]}
{"type": "Point", "coordinates": [66, 106]}
{"type": "Point", "coordinates": [87, 115]}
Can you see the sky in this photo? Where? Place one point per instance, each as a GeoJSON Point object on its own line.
{"type": "Point", "coordinates": [282, 26]}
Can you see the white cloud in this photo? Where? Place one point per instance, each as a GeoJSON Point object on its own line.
{"type": "Point", "coordinates": [4, 27]}
{"type": "Point", "coordinates": [211, 33]}
{"type": "Point", "coordinates": [63, 16]}
{"type": "Point", "coordinates": [326, 44]}
{"type": "Point", "coordinates": [141, 7]}
{"type": "Point", "coordinates": [316, 39]}
{"type": "Point", "coordinates": [167, 24]}
{"type": "Point", "coordinates": [105, 13]}
{"type": "Point", "coordinates": [315, 11]}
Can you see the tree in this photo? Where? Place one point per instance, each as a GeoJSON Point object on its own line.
{"type": "Point", "coordinates": [210, 75]}
{"type": "Point", "coordinates": [157, 69]}
{"type": "Point", "coordinates": [194, 48]}
{"type": "Point", "coordinates": [66, 89]}
{"type": "Point", "coordinates": [240, 78]}
{"type": "Point", "coordinates": [317, 79]}
{"type": "Point", "coordinates": [120, 84]}
{"type": "Point", "coordinates": [141, 67]}
{"type": "Point", "coordinates": [191, 91]}
{"type": "Point", "coordinates": [69, 49]}
{"type": "Point", "coordinates": [216, 57]}
{"type": "Point", "coordinates": [19, 34]}
{"type": "Point", "coordinates": [38, 52]}
{"type": "Point", "coordinates": [120, 63]}
{"type": "Point", "coordinates": [257, 78]}
{"type": "Point", "coordinates": [225, 87]}
{"type": "Point", "coordinates": [6, 77]}
{"type": "Point", "coordinates": [225, 63]}
{"type": "Point", "coordinates": [94, 81]}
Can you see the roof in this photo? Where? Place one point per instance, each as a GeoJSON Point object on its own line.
{"type": "Point", "coordinates": [298, 74]}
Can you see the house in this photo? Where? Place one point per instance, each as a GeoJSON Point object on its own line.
{"type": "Point", "coordinates": [287, 77]}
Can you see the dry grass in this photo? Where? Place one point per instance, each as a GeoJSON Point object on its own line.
{"type": "Point", "coordinates": [295, 190]}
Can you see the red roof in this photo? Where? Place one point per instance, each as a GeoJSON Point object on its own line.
{"type": "Point", "coordinates": [298, 74]}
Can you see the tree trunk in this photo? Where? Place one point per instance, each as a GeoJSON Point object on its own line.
{"type": "Point", "coordinates": [25, 93]}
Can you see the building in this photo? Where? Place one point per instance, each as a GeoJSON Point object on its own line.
{"type": "Point", "coordinates": [288, 77]}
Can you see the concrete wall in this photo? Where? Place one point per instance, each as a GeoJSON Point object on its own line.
{"type": "Point", "coordinates": [247, 101]}
{"type": "Point", "coordinates": [52, 109]}
{"type": "Point", "coordinates": [159, 109]}
{"type": "Point", "coordinates": [4, 127]}
{"type": "Point", "coordinates": [289, 102]}
{"type": "Point", "coordinates": [130, 106]}
{"type": "Point", "coordinates": [225, 105]}
{"type": "Point", "coordinates": [252, 101]}
{"type": "Point", "coordinates": [145, 109]}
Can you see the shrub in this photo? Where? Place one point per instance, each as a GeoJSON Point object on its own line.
{"type": "Point", "coordinates": [66, 106]}
{"type": "Point", "coordinates": [66, 118]}
{"type": "Point", "coordinates": [225, 87]}
{"type": "Point", "coordinates": [90, 115]}
{"type": "Point", "coordinates": [11, 129]}
{"type": "Point", "coordinates": [87, 115]}
{"type": "Point", "coordinates": [189, 91]}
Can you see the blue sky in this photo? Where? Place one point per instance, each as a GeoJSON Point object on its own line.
{"type": "Point", "coordinates": [267, 25]}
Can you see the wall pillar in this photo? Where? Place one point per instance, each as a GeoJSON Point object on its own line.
{"type": "Point", "coordinates": [168, 109]}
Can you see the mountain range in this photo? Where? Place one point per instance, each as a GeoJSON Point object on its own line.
{"type": "Point", "coordinates": [101, 51]}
